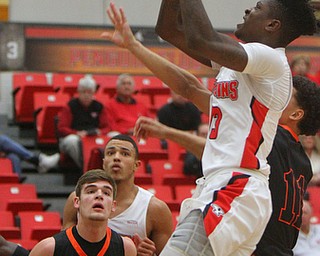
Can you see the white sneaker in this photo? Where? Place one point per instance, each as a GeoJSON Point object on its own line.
{"type": "Point", "coordinates": [47, 162]}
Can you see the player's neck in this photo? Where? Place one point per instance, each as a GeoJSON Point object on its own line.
{"type": "Point", "coordinates": [92, 231]}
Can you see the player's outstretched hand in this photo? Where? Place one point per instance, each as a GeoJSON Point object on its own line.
{"type": "Point", "coordinates": [122, 34]}
{"type": "Point", "coordinates": [147, 127]}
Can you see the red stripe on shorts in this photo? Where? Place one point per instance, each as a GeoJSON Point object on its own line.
{"type": "Point", "coordinates": [222, 200]}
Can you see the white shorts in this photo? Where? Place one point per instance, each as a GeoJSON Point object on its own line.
{"type": "Point", "coordinates": [236, 208]}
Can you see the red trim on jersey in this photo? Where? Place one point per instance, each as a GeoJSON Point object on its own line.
{"type": "Point", "coordinates": [223, 198]}
{"type": "Point", "coordinates": [294, 135]}
{"type": "Point", "coordinates": [255, 138]}
{"type": "Point", "coordinates": [78, 248]}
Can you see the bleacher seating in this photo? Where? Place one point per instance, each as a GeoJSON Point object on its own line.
{"type": "Point", "coordinates": [37, 225]}
{"type": "Point", "coordinates": [7, 174]}
{"type": "Point", "coordinates": [8, 229]}
{"type": "Point", "coordinates": [170, 172]}
{"type": "Point", "coordinates": [314, 193]}
{"type": "Point", "coordinates": [47, 107]}
{"type": "Point", "coordinates": [66, 83]}
{"type": "Point", "coordinates": [107, 84]}
{"type": "Point", "coordinates": [19, 197]}
{"type": "Point", "coordinates": [183, 191]}
{"type": "Point", "coordinates": [24, 87]}
{"type": "Point", "coordinates": [165, 194]}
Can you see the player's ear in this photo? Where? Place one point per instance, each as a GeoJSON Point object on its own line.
{"type": "Point", "coordinates": [137, 164]}
{"type": "Point", "coordinates": [114, 205]}
{"type": "Point", "coordinates": [76, 202]}
{"type": "Point", "coordinates": [273, 25]}
{"type": "Point", "coordinates": [297, 115]}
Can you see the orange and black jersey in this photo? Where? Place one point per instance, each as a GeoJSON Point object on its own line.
{"type": "Point", "coordinates": [290, 173]}
{"type": "Point", "coordinates": [70, 243]}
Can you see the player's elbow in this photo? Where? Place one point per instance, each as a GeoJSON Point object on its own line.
{"type": "Point", "coordinates": [194, 43]}
{"type": "Point", "coordinates": [164, 33]}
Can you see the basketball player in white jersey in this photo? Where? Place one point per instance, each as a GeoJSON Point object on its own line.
{"type": "Point", "coordinates": [232, 204]}
{"type": "Point", "coordinates": [138, 213]}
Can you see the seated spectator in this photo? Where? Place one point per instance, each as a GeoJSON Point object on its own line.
{"type": "Point", "coordinates": [180, 114]}
{"type": "Point", "coordinates": [192, 164]}
{"type": "Point", "coordinates": [301, 65]}
{"type": "Point", "coordinates": [16, 152]}
{"type": "Point", "coordinates": [308, 243]}
{"type": "Point", "coordinates": [83, 116]}
{"type": "Point", "coordinates": [309, 145]}
{"type": "Point", "coordinates": [124, 109]}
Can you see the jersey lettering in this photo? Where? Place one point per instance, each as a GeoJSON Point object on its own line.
{"type": "Point", "coordinates": [226, 89]}
{"type": "Point", "coordinates": [291, 211]}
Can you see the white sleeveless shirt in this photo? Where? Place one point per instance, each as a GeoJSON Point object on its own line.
{"type": "Point", "coordinates": [134, 219]}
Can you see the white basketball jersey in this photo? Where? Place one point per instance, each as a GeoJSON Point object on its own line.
{"type": "Point", "coordinates": [245, 109]}
{"type": "Point", "coordinates": [133, 220]}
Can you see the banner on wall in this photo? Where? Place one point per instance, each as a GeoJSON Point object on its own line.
{"type": "Point", "coordinates": [82, 50]}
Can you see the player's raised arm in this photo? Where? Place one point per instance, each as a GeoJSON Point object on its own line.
{"type": "Point", "coordinates": [181, 81]}
{"type": "Point", "coordinates": [170, 28]}
{"type": "Point", "coordinates": [202, 38]}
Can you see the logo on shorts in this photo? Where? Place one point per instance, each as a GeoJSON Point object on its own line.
{"type": "Point", "coordinates": [217, 210]}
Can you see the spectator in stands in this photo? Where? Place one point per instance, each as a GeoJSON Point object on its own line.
{"type": "Point", "coordinates": [8, 248]}
{"type": "Point", "coordinates": [308, 243]}
{"type": "Point", "coordinates": [124, 109]}
{"type": "Point", "coordinates": [309, 145]}
{"type": "Point", "coordinates": [180, 114]}
{"type": "Point", "coordinates": [192, 164]}
{"type": "Point", "coordinates": [138, 214]}
{"type": "Point", "coordinates": [301, 65]}
{"type": "Point", "coordinates": [16, 152]}
{"type": "Point", "coordinates": [95, 202]}
{"type": "Point", "coordinates": [83, 116]}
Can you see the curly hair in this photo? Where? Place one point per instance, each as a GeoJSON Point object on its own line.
{"type": "Point", "coordinates": [297, 18]}
{"type": "Point", "coordinates": [308, 98]}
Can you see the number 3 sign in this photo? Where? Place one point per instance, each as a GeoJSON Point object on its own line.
{"type": "Point", "coordinates": [12, 46]}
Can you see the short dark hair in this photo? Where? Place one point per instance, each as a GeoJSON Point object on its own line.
{"type": "Point", "coordinates": [93, 176]}
{"type": "Point", "coordinates": [308, 98]}
{"type": "Point", "coordinates": [124, 137]}
{"type": "Point", "coordinates": [297, 18]}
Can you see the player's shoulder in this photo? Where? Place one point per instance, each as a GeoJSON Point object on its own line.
{"type": "Point", "coordinates": [44, 248]}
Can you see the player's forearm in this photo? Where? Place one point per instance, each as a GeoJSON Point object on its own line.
{"type": "Point", "coordinates": [190, 142]}
{"type": "Point", "coordinates": [179, 80]}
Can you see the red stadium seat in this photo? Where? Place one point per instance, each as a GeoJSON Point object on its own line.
{"type": "Point", "coordinates": [314, 192]}
{"type": "Point", "coordinates": [66, 83]}
{"type": "Point", "coordinates": [47, 106]}
{"type": "Point", "coordinates": [8, 229]}
{"type": "Point", "coordinates": [151, 149]}
{"type": "Point", "coordinates": [164, 193]}
{"type": "Point", "coordinates": [107, 84]}
{"type": "Point", "coordinates": [24, 87]}
{"type": "Point", "coordinates": [184, 191]}
{"type": "Point", "coordinates": [151, 85]}
{"type": "Point", "coordinates": [7, 174]}
{"type": "Point", "coordinates": [169, 172]}
{"type": "Point", "coordinates": [28, 244]}
{"type": "Point", "coordinates": [88, 144]}
{"type": "Point", "coordinates": [19, 197]}
{"type": "Point", "coordinates": [37, 225]}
